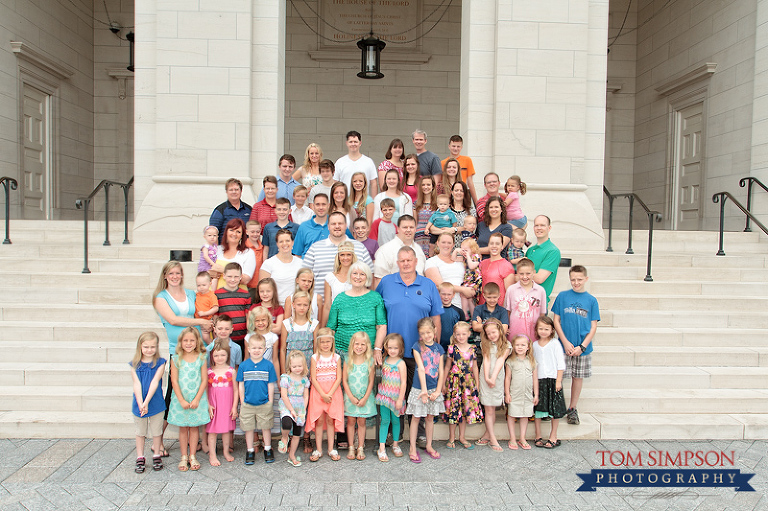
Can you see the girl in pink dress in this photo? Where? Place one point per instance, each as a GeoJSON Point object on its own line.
{"type": "Point", "coordinates": [222, 402]}
{"type": "Point", "coordinates": [326, 403]}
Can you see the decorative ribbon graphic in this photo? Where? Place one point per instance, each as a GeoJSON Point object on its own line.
{"type": "Point", "coordinates": [659, 478]}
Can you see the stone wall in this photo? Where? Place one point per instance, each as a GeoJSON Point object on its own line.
{"type": "Point", "coordinates": [677, 37]}
{"type": "Point", "coordinates": [63, 33]}
{"type": "Point", "coordinates": [324, 98]}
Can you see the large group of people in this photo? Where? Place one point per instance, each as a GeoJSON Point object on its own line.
{"type": "Point", "coordinates": [350, 290]}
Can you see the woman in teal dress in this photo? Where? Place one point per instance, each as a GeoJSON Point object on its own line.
{"type": "Point", "coordinates": [358, 310]}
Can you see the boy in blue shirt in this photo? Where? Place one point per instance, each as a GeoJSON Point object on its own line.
{"type": "Point", "coordinates": [490, 309]}
{"type": "Point", "coordinates": [257, 379]}
{"type": "Point", "coordinates": [450, 316]}
{"type": "Point", "coordinates": [268, 235]}
{"type": "Point", "coordinates": [576, 315]}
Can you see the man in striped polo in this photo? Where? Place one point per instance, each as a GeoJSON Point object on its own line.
{"type": "Point", "coordinates": [322, 254]}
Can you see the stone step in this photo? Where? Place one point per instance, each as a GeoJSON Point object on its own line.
{"type": "Point", "coordinates": [683, 319]}
{"type": "Point", "coordinates": [662, 235]}
{"type": "Point", "coordinates": [96, 312]}
{"type": "Point", "coordinates": [672, 287]}
{"type": "Point", "coordinates": [673, 400]}
{"type": "Point", "coordinates": [693, 337]}
{"type": "Point", "coordinates": [641, 356]}
{"type": "Point", "coordinates": [78, 351]}
{"type": "Point", "coordinates": [73, 296]}
{"type": "Point", "coordinates": [726, 274]}
{"type": "Point", "coordinates": [53, 374]}
{"type": "Point", "coordinates": [674, 426]}
{"type": "Point", "coordinates": [65, 398]}
{"type": "Point", "coordinates": [680, 302]}
{"type": "Point", "coordinates": [667, 260]}
{"type": "Point", "coordinates": [95, 251]}
{"type": "Point", "coordinates": [77, 280]}
{"type": "Point", "coordinates": [40, 332]}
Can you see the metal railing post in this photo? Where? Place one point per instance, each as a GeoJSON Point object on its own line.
{"type": "Point", "coordinates": [8, 184]}
{"type": "Point", "coordinates": [720, 251]}
{"type": "Point", "coordinates": [629, 240]}
{"type": "Point", "coordinates": [610, 223]}
{"type": "Point", "coordinates": [125, 193]}
{"type": "Point", "coordinates": [747, 226]}
{"type": "Point", "coordinates": [85, 236]}
{"type": "Point", "coordinates": [106, 215]}
{"type": "Point", "coordinates": [648, 277]}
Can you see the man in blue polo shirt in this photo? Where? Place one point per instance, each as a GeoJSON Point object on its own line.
{"type": "Point", "coordinates": [285, 181]}
{"type": "Point", "coordinates": [409, 297]}
{"type": "Point", "coordinates": [231, 208]}
{"type": "Point", "coordinates": [314, 229]}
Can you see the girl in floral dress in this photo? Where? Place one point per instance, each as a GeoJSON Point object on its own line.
{"type": "Point", "coordinates": [462, 402]}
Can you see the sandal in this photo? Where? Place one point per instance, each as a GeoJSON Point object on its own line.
{"type": "Point", "coordinates": [157, 463]}
{"type": "Point", "coordinates": [334, 455]}
{"type": "Point", "coordinates": [360, 453]}
{"type": "Point", "coordinates": [315, 456]}
{"type": "Point", "coordinates": [165, 453]}
{"type": "Point", "coordinates": [183, 464]}
{"type": "Point", "coordinates": [281, 447]}
{"type": "Point", "coordinates": [397, 451]}
{"type": "Point", "coordinates": [467, 445]}
{"type": "Point", "coordinates": [382, 455]}
{"type": "Point", "coordinates": [433, 454]}
{"type": "Point", "coordinates": [482, 441]}
{"type": "Point", "coordinates": [450, 445]}
{"type": "Point", "coordinates": [351, 453]}
{"type": "Point", "coordinates": [139, 465]}
{"type": "Point", "coordinates": [512, 445]}
{"type": "Point", "coordinates": [525, 445]}
{"type": "Point", "coordinates": [556, 443]}
{"type": "Point", "coordinates": [415, 458]}
{"type": "Point", "coordinates": [539, 442]}
{"type": "Point", "coordinates": [294, 463]}
{"type": "Point", "coordinates": [307, 444]}
{"type": "Point", "coordinates": [496, 447]}
{"type": "Point", "coordinates": [194, 465]}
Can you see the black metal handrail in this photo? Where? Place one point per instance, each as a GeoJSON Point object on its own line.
{"type": "Point", "coordinates": [83, 202]}
{"type": "Point", "coordinates": [8, 184]}
{"type": "Point", "coordinates": [749, 181]}
{"type": "Point", "coordinates": [652, 215]}
{"type": "Point", "coordinates": [721, 198]}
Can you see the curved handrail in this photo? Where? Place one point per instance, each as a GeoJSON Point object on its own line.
{"type": "Point", "coordinates": [8, 184]}
{"type": "Point", "coordinates": [721, 197]}
{"type": "Point", "coordinates": [84, 202]}
{"type": "Point", "coordinates": [750, 181]}
{"type": "Point", "coordinates": [651, 214]}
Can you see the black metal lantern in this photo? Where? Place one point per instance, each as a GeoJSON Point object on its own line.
{"type": "Point", "coordinates": [371, 59]}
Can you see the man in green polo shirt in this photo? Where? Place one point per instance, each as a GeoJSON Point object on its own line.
{"type": "Point", "coordinates": [545, 255]}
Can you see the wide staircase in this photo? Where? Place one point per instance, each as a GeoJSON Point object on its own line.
{"type": "Point", "coordinates": [684, 356]}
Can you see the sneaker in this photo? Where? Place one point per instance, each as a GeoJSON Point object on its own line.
{"type": "Point", "coordinates": [269, 456]}
{"type": "Point", "coordinates": [250, 457]}
{"type": "Point", "coordinates": [573, 416]}
{"type": "Point", "coordinates": [422, 442]}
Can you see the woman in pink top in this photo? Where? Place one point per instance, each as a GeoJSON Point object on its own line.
{"type": "Point", "coordinates": [412, 175]}
{"type": "Point", "coordinates": [496, 268]}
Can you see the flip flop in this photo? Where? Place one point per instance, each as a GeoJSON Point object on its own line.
{"type": "Point", "coordinates": [468, 446]}
{"type": "Point", "coordinates": [482, 441]}
{"type": "Point", "coordinates": [334, 455]}
{"type": "Point", "coordinates": [496, 447]}
{"type": "Point", "coordinates": [539, 442]}
{"type": "Point", "coordinates": [315, 456]}
{"type": "Point", "coordinates": [296, 463]}
{"type": "Point", "coordinates": [281, 447]}
{"type": "Point", "coordinates": [549, 445]}
{"type": "Point", "coordinates": [512, 445]}
{"type": "Point", "coordinates": [525, 446]}
{"type": "Point", "coordinates": [434, 454]}
{"type": "Point", "coordinates": [450, 445]}
{"type": "Point", "coordinates": [415, 458]}
{"type": "Point", "coordinates": [165, 453]}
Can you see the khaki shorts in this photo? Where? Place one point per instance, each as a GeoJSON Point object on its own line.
{"type": "Point", "coordinates": [149, 427]}
{"type": "Point", "coordinates": [252, 416]}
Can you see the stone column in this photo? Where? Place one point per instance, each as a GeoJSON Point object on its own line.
{"type": "Point", "coordinates": [533, 104]}
{"type": "Point", "coordinates": [209, 106]}
{"type": "Point", "coordinates": [759, 166]}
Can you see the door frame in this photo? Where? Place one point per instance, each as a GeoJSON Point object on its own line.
{"type": "Point", "coordinates": [675, 105]}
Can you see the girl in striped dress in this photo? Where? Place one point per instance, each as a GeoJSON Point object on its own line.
{"type": "Point", "coordinates": [391, 394]}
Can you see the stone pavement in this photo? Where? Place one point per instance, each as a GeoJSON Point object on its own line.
{"type": "Point", "coordinates": [98, 475]}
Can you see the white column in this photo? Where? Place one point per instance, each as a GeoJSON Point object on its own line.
{"type": "Point", "coordinates": [759, 166]}
{"type": "Point", "coordinates": [209, 96]}
{"type": "Point", "coordinates": [533, 104]}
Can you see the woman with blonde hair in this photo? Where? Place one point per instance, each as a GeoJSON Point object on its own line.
{"type": "Point", "coordinates": [309, 173]}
